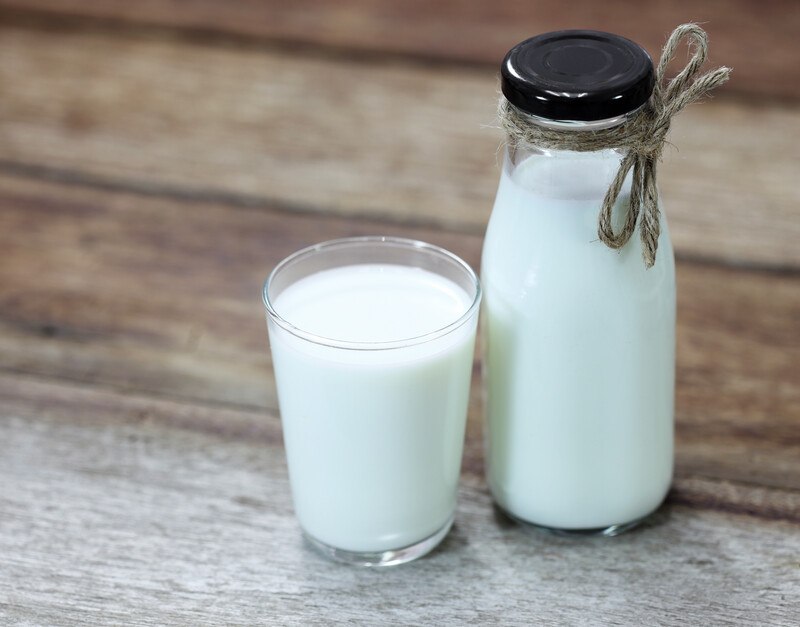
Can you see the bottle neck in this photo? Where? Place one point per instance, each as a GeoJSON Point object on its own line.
{"type": "Point", "coordinates": [577, 125]}
{"type": "Point", "coordinates": [517, 154]}
{"type": "Point", "coordinates": [574, 128]}
{"type": "Point", "coordinates": [561, 173]}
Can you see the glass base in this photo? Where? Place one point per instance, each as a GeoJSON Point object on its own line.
{"type": "Point", "coordinates": [382, 558]}
{"type": "Point", "coordinates": [611, 530]}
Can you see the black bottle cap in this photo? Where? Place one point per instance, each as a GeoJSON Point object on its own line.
{"type": "Point", "coordinates": [580, 75]}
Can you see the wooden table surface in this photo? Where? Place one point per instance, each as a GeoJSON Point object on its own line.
{"type": "Point", "coordinates": [158, 158]}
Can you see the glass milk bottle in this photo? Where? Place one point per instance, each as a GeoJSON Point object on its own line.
{"type": "Point", "coordinates": [579, 354]}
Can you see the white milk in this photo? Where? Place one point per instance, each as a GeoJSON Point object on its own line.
{"type": "Point", "coordinates": [579, 356]}
{"type": "Point", "coordinates": [373, 437]}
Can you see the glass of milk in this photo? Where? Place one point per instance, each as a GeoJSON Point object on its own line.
{"type": "Point", "coordinates": [372, 345]}
{"type": "Point", "coordinates": [579, 339]}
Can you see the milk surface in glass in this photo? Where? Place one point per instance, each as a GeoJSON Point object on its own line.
{"type": "Point", "coordinates": [373, 437]}
{"type": "Point", "coordinates": [579, 350]}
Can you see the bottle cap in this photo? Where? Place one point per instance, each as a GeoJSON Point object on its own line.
{"type": "Point", "coordinates": [580, 75]}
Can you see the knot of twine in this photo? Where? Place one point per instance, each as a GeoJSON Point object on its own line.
{"type": "Point", "coordinates": [642, 137]}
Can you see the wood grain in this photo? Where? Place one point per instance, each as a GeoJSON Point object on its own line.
{"type": "Point", "coordinates": [121, 509]}
{"type": "Point", "coordinates": [759, 39]}
{"type": "Point", "coordinates": [161, 296]}
{"type": "Point", "coordinates": [359, 138]}
{"type": "Point", "coordinates": [151, 177]}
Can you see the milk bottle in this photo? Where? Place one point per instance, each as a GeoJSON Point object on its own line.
{"type": "Point", "coordinates": [579, 338]}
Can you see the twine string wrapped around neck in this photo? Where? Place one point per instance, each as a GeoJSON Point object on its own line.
{"type": "Point", "coordinates": [641, 137]}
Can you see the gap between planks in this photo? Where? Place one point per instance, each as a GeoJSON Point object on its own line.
{"type": "Point", "coordinates": [194, 195]}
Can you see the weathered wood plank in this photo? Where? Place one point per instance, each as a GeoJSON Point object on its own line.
{"type": "Point", "coordinates": [152, 294]}
{"type": "Point", "coordinates": [758, 39]}
{"type": "Point", "coordinates": [121, 509]}
{"type": "Point", "coordinates": [87, 405]}
{"type": "Point", "coordinates": [736, 329]}
{"type": "Point", "coordinates": [162, 296]}
{"type": "Point", "coordinates": [351, 137]}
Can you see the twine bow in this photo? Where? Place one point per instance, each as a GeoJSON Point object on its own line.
{"type": "Point", "coordinates": [642, 137]}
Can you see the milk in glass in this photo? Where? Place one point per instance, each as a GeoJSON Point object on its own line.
{"type": "Point", "coordinates": [373, 418]}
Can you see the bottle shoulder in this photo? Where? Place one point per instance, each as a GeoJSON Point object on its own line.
{"type": "Point", "coordinates": [537, 241]}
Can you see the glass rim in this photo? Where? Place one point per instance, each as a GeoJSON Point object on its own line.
{"type": "Point", "coordinates": [354, 242]}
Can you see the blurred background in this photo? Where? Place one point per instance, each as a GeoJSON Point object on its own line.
{"type": "Point", "coordinates": [159, 157]}
{"type": "Point", "coordinates": [190, 144]}
{"type": "Point", "coordinates": [380, 108]}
